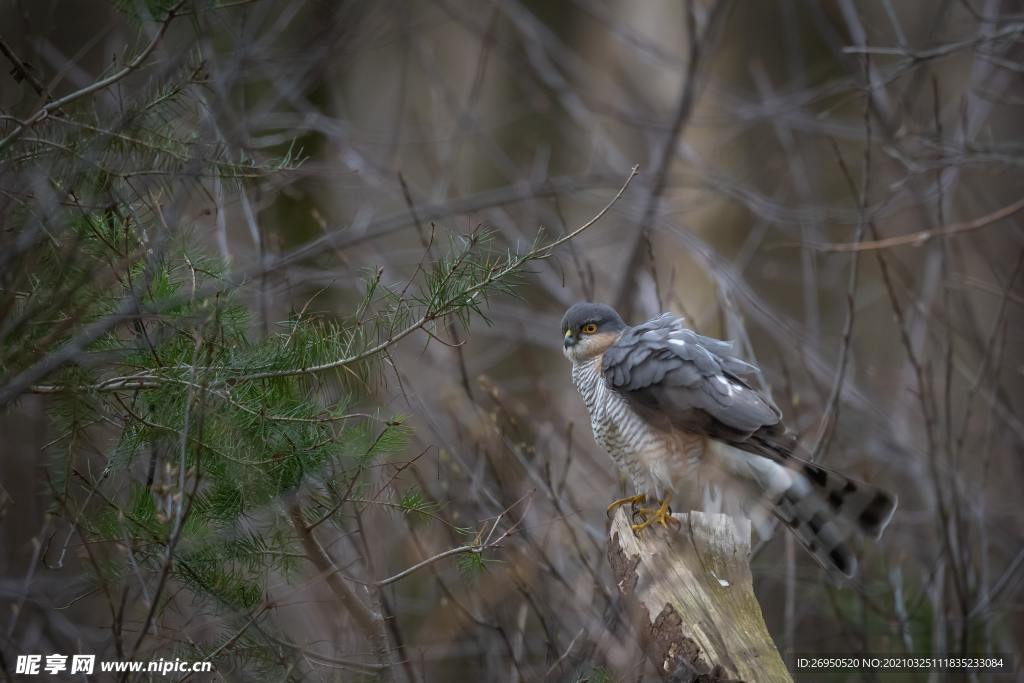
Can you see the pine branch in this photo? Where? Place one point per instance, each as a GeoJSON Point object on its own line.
{"type": "Point", "coordinates": [96, 86]}
{"type": "Point", "coordinates": [435, 309]}
{"type": "Point", "coordinates": [443, 308]}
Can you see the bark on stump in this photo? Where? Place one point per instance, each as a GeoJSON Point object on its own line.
{"type": "Point", "coordinates": [691, 590]}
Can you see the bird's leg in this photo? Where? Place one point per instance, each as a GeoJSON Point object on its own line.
{"type": "Point", "coordinates": [661, 515]}
{"type": "Point", "coordinates": [632, 500]}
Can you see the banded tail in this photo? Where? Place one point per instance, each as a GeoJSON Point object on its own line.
{"type": "Point", "coordinates": [823, 508]}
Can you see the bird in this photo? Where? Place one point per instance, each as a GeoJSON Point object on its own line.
{"type": "Point", "coordinates": [682, 416]}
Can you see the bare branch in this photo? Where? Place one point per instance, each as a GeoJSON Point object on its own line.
{"type": "Point", "coordinates": [917, 239]}
{"type": "Point", "coordinates": [101, 84]}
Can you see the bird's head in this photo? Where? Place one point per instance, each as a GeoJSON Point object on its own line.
{"type": "Point", "coordinates": [589, 329]}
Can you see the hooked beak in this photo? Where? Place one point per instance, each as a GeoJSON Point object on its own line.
{"type": "Point", "coordinates": [569, 340]}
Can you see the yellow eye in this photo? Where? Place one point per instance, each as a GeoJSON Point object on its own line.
{"type": "Point", "coordinates": [589, 328]}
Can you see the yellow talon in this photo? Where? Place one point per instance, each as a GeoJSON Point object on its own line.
{"type": "Point", "coordinates": [632, 500]}
{"type": "Point", "coordinates": [660, 515]}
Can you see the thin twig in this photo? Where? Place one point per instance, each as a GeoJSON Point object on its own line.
{"type": "Point", "coordinates": [22, 70]}
{"type": "Point", "coordinates": [831, 412]}
{"type": "Point", "coordinates": [1009, 31]}
{"type": "Point", "coordinates": [96, 86]}
{"type": "Point", "coordinates": [475, 549]}
{"type": "Point", "coordinates": [917, 239]}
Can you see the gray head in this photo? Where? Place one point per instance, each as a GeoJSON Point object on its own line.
{"type": "Point", "coordinates": [589, 329]}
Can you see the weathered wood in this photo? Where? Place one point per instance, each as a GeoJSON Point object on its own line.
{"type": "Point", "coordinates": [691, 590]}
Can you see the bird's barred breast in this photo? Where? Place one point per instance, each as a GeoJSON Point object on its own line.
{"type": "Point", "coordinates": [654, 461]}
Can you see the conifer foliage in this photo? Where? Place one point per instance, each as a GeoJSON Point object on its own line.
{"type": "Point", "coordinates": [197, 455]}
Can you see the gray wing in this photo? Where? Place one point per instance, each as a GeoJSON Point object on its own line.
{"type": "Point", "coordinates": [679, 379]}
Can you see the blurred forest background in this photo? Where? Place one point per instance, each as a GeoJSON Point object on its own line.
{"type": "Point", "coordinates": [203, 201]}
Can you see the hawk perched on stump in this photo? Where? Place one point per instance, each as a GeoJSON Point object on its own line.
{"type": "Point", "coordinates": [676, 412]}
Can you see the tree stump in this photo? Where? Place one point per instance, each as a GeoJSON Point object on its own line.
{"type": "Point", "coordinates": [691, 591]}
